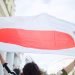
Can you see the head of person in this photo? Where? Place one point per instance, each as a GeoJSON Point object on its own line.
{"type": "Point", "coordinates": [31, 69]}
{"type": "Point", "coordinates": [17, 71]}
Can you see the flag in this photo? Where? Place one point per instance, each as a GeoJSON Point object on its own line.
{"type": "Point", "coordinates": [37, 34]}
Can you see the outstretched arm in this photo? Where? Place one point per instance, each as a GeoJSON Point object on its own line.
{"type": "Point", "coordinates": [5, 65]}
{"type": "Point", "coordinates": [70, 67]}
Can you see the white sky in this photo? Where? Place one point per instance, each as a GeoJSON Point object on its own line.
{"type": "Point", "coordinates": [63, 9]}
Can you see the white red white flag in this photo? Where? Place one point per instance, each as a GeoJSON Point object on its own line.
{"type": "Point", "coordinates": [38, 34]}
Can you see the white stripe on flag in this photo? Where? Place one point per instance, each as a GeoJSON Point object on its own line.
{"type": "Point", "coordinates": [41, 22]}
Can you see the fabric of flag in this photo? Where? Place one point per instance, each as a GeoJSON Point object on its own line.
{"type": "Point", "coordinates": [37, 34]}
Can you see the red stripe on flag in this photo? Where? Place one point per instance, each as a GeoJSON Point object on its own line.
{"type": "Point", "coordinates": [37, 39]}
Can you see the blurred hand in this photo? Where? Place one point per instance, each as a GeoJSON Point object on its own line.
{"type": "Point", "coordinates": [2, 59]}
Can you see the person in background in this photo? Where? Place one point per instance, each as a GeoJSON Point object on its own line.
{"type": "Point", "coordinates": [29, 68]}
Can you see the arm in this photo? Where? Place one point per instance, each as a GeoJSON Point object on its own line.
{"type": "Point", "coordinates": [69, 68]}
{"type": "Point", "coordinates": [5, 65]}
{"type": "Point", "coordinates": [2, 59]}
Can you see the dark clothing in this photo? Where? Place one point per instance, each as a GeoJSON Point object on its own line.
{"type": "Point", "coordinates": [64, 72]}
{"type": "Point", "coordinates": [8, 70]}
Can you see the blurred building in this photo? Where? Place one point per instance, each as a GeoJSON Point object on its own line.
{"type": "Point", "coordinates": [7, 7]}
